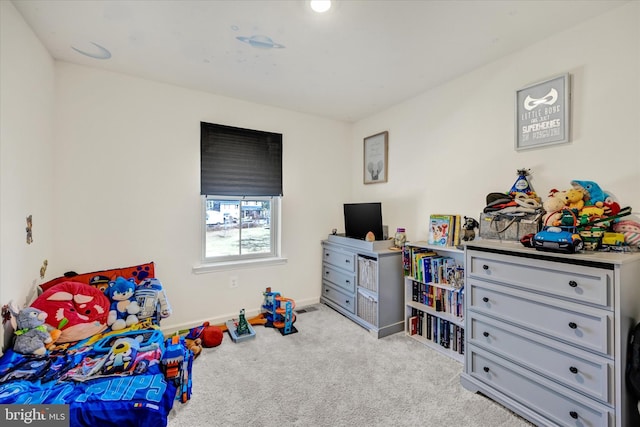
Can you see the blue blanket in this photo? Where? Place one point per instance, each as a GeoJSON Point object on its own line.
{"type": "Point", "coordinates": [139, 395]}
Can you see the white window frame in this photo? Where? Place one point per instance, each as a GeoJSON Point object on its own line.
{"type": "Point", "coordinates": [209, 264]}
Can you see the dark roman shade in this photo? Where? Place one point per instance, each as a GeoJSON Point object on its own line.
{"type": "Point", "coordinates": [239, 162]}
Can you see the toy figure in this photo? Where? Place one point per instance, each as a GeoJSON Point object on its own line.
{"type": "Point", "coordinates": [31, 332]}
{"type": "Point", "coordinates": [469, 226]}
{"type": "Point", "coordinates": [124, 306]}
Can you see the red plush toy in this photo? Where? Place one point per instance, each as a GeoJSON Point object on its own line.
{"type": "Point", "coordinates": [211, 336]}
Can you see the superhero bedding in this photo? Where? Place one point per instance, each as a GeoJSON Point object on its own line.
{"type": "Point", "coordinates": [126, 377]}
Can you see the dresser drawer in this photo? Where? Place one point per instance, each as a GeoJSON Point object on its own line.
{"type": "Point", "coordinates": [580, 283]}
{"type": "Point", "coordinates": [343, 300]}
{"type": "Point", "coordinates": [580, 370]}
{"type": "Point", "coordinates": [572, 323]}
{"type": "Point", "coordinates": [344, 280]}
{"type": "Point", "coordinates": [343, 260]}
{"type": "Point", "coordinates": [559, 405]}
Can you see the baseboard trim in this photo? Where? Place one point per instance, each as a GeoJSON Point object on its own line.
{"type": "Point", "coordinates": [221, 320]}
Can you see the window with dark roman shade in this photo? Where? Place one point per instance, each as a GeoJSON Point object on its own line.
{"type": "Point", "coordinates": [239, 162]}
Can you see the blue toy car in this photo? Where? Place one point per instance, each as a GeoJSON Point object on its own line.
{"type": "Point", "coordinates": [558, 239]}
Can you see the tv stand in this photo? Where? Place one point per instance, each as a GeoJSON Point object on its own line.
{"type": "Point", "coordinates": [363, 281]}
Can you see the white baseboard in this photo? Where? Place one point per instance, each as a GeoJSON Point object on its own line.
{"type": "Point", "coordinates": [221, 320]}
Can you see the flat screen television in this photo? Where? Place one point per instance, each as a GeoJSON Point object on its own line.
{"type": "Point", "coordinates": [360, 218]}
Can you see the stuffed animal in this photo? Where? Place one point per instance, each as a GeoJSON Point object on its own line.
{"type": "Point", "coordinates": [469, 226]}
{"type": "Point", "coordinates": [195, 345]}
{"type": "Point", "coordinates": [124, 306]}
{"type": "Point", "coordinates": [152, 300]}
{"type": "Point", "coordinates": [574, 199]}
{"type": "Point", "coordinates": [31, 332]}
{"type": "Point", "coordinates": [593, 194]}
{"type": "Point", "coordinates": [553, 207]}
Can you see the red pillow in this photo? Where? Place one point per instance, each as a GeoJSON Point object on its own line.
{"type": "Point", "coordinates": [138, 272]}
{"type": "Point", "coordinates": [77, 309]}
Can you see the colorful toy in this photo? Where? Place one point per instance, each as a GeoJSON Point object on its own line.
{"type": "Point", "coordinates": [178, 362]}
{"type": "Point", "coordinates": [469, 226]}
{"type": "Point", "coordinates": [552, 206]}
{"type": "Point", "coordinates": [281, 318]}
{"type": "Point", "coordinates": [593, 194]}
{"type": "Point", "coordinates": [124, 306]}
{"type": "Point", "coordinates": [240, 330]}
{"type": "Point", "coordinates": [77, 309]}
{"type": "Point", "coordinates": [123, 355]}
{"type": "Point", "coordinates": [152, 300]}
{"type": "Point", "coordinates": [30, 330]}
{"type": "Point", "coordinates": [573, 199]}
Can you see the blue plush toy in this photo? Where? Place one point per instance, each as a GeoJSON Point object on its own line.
{"type": "Point", "coordinates": [124, 307]}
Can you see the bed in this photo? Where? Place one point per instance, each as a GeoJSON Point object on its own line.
{"type": "Point", "coordinates": [126, 377]}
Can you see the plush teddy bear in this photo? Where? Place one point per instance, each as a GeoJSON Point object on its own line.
{"type": "Point", "coordinates": [30, 330]}
{"type": "Point", "coordinates": [553, 207]}
{"type": "Point", "coordinates": [574, 199]}
{"type": "Point", "coordinates": [195, 345]}
{"type": "Point", "coordinates": [124, 306]}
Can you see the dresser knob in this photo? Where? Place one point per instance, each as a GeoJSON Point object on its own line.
{"type": "Point", "coordinates": [485, 299]}
{"type": "Point", "coordinates": [486, 369]}
{"type": "Point", "coordinates": [572, 325]}
{"type": "Point", "coordinates": [326, 290]}
{"type": "Point", "coordinates": [485, 267]}
{"type": "Point", "coordinates": [347, 261]}
{"type": "Point", "coordinates": [573, 370]}
{"type": "Point", "coordinates": [485, 333]}
{"type": "Point", "coordinates": [574, 415]}
{"type": "Point", "coordinates": [573, 283]}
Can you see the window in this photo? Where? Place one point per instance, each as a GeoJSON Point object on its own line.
{"type": "Point", "coordinates": [238, 229]}
{"type": "Point", "coordinates": [241, 185]}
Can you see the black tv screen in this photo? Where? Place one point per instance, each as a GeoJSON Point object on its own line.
{"type": "Point", "coordinates": [360, 218]}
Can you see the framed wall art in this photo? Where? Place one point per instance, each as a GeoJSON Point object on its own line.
{"type": "Point", "coordinates": [376, 150]}
{"type": "Point", "coordinates": [543, 113]}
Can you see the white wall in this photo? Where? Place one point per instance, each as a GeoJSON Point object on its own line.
{"type": "Point", "coordinates": [127, 180]}
{"type": "Point", "coordinates": [451, 146]}
{"type": "Point", "coordinates": [26, 146]}
{"type": "Point", "coordinates": [119, 186]}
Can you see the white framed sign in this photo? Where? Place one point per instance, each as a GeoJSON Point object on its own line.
{"type": "Point", "coordinates": [542, 113]}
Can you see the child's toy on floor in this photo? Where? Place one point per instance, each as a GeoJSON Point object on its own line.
{"type": "Point", "coordinates": [178, 362]}
{"type": "Point", "coordinates": [281, 318]}
{"type": "Point", "coordinates": [240, 330]}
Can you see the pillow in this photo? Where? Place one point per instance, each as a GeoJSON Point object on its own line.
{"type": "Point", "coordinates": [77, 309]}
{"type": "Point", "coordinates": [100, 279]}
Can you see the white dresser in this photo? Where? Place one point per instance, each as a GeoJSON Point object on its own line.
{"type": "Point", "coordinates": [546, 333]}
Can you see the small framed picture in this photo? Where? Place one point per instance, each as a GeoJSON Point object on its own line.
{"type": "Point", "coordinates": [376, 150]}
{"type": "Point", "coordinates": [543, 113]}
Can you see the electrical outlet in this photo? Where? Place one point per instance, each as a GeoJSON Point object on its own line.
{"type": "Point", "coordinates": [233, 282]}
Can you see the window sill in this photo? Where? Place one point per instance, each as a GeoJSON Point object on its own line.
{"type": "Point", "coordinates": [235, 265]}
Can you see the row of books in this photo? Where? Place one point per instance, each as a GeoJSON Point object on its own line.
{"type": "Point", "coordinates": [437, 330]}
{"type": "Point", "coordinates": [427, 266]}
{"type": "Point", "coordinates": [444, 230]}
{"type": "Point", "coordinates": [439, 299]}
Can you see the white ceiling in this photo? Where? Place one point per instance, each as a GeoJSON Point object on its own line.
{"type": "Point", "coordinates": [357, 59]}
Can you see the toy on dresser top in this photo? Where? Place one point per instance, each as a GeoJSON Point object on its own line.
{"type": "Point", "coordinates": [584, 217]}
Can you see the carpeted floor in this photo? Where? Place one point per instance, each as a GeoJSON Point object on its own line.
{"type": "Point", "coordinates": [331, 373]}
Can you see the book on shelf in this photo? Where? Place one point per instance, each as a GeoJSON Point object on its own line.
{"type": "Point", "coordinates": [444, 230]}
{"type": "Point", "coordinates": [413, 325]}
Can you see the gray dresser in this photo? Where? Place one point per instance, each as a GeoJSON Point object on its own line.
{"type": "Point", "coordinates": [363, 281]}
{"type": "Point", "coordinates": [546, 333]}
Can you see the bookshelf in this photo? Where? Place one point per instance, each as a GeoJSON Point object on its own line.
{"type": "Point", "coordinates": [434, 297]}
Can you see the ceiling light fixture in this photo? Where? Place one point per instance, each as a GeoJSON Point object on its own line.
{"type": "Point", "coordinates": [320, 6]}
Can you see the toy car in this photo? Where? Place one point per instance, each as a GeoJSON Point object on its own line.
{"type": "Point", "coordinates": [558, 239]}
